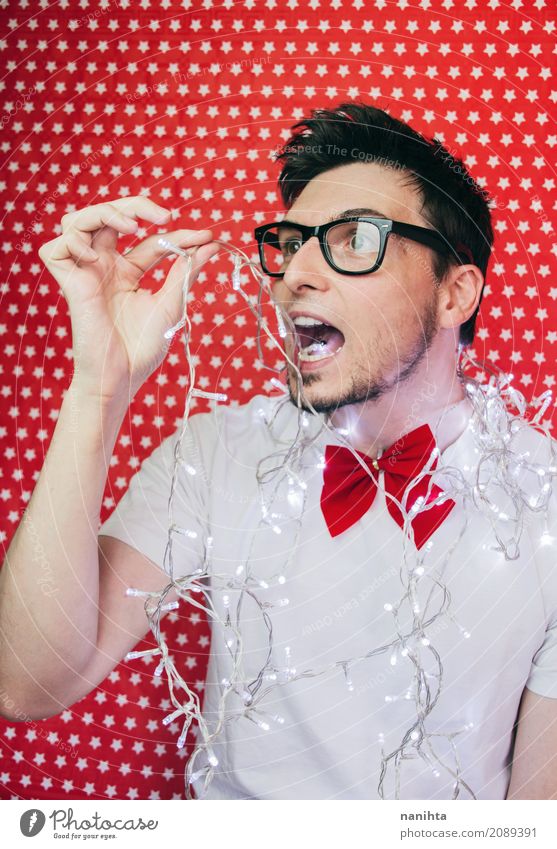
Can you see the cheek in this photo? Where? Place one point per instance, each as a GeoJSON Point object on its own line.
{"type": "Point", "coordinates": [373, 314]}
{"type": "Point", "coordinates": [277, 294]}
{"type": "Point", "coordinates": [279, 290]}
{"type": "Point", "coordinates": [382, 328]}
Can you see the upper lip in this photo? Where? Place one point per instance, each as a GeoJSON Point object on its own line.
{"type": "Point", "coordinates": [295, 313]}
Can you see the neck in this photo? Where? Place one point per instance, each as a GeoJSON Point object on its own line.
{"type": "Point", "coordinates": [427, 398]}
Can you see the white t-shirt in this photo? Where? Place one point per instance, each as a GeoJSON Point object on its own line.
{"type": "Point", "coordinates": [499, 635]}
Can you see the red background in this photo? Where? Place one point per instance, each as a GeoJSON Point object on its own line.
{"type": "Point", "coordinates": [106, 99]}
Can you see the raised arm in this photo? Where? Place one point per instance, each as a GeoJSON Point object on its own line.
{"type": "Point", "coordinates": [65, 621]}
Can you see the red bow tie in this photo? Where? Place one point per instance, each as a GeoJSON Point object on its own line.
{"type": "Point", "coordinates": [348, 491]}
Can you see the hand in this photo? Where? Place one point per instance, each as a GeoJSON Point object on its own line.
{"type": "Point", "coordinates": [117, 327]}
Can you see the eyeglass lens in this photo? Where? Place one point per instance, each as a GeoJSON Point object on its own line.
{"type": "Point", "coordinates": [352, 245]}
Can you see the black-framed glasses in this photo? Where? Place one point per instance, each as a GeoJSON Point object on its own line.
{"type": "Point", "coordinates": [354, 245]}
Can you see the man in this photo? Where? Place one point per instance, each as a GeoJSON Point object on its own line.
{"type": "Point", "coordinates": [389, 691]}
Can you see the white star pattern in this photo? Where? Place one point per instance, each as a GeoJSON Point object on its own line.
{"type": "Point", "coordinates": [185, 102]}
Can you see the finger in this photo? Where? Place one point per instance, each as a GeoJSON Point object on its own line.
{"type": "Point", "coordinates": [80, 249]}
{"type": "Point", "coordinates": [142, 207]}
{"type": "Point", "coordinates": [94, 217]}
{"type": "Point", "coordinates": [71, 246]}
{"type": "Point", "coordinates": [105, 239]}
{"type": "Point", "coordinates": [148, 252]}
{"type": "Point", "coordinates": [171, 292]}
{"type": "Point", "coordinates": [130, 207]}
{"type": "Point", "coordinates": [128, 210]}
{"type": "Point", "coordinates": [202, 255]}
{"type": "Point", "coordinates": [122, 215]}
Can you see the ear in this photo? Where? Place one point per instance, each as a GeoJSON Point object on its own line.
{"type": "Point", "coordinates": [459, 295]}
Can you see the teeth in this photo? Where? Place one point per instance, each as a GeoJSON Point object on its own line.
{"type": "Point", "coordinates": [307, 321]}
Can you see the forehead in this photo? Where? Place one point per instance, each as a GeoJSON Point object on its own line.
{"type": "Point", "coordinates": [358, 185]}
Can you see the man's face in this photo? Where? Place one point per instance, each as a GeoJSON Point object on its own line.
{"type": "Point", "coordinates": [386, 321]}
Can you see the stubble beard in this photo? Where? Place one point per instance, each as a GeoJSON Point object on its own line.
{"type": "Point", "coordinates": [361, 389]}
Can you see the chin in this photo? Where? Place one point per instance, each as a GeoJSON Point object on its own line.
{"type": "Point", "coordinates": [318, 391]}
{"type": "Point", "coordinates": [327, 394]}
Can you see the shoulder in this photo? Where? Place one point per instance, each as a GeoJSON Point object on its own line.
{"type": "Point", "coordinates": [533, 444]}
{"type": "Point", "coordinates": [533, 474]}
{"type": "Point", "coordinates": [532, 467]}
{"type": "Point", "coordinates": [512, 448]}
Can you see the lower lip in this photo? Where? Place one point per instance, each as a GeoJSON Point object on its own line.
{"type": "Point", "coordinates": [308, 365]}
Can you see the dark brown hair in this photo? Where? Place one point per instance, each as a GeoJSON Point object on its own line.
{"type": "Point", "coordinates": [452, 202]}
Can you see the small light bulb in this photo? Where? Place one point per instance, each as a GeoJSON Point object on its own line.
{"type": "Point", "coordinates": [294, 498]}
{"type": "Point", "coordinates": [172, 716]}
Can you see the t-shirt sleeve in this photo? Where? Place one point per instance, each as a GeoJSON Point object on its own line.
{"type": "Point", "coordinates": [141, 517]}
{"type": "Point", "coordinates": [543, 672]}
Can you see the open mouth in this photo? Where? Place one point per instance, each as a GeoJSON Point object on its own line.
{"type": "Point", "coordinates": [316, 340]}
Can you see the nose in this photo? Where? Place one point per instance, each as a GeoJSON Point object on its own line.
{"type": "Point", "coordinates": [307, 268]}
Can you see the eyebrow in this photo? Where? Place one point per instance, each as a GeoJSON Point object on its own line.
{"type": "Point", "coordinates": [349, 213]}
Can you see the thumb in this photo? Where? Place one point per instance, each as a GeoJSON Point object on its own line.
{"type": "Point", "coordinates": [171, 292]}
{"type": "Point", "coordinates": [202, 255]}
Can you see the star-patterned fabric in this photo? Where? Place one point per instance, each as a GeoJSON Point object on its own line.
{"type": "Point", "coordinates": [186, 102]}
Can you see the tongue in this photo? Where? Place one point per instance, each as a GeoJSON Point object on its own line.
{"type": "Point", "coordinates": [321, 337]}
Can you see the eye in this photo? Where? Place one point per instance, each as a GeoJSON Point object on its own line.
{"type": "Point", "coordinates": [359, 241]}
{"type": "Point", "coordinates": [290, 246]}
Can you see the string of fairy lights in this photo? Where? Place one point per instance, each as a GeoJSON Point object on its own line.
{"type": "Point", "coordinates": [496, 466]}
